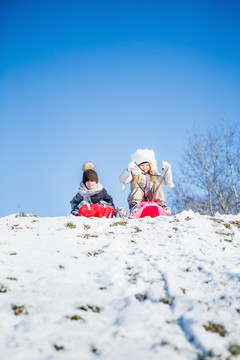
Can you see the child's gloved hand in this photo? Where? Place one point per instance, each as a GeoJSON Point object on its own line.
{"type": "Point", "coordinates": [166, 165]}
{"type": "Point", "coordinates": [167, 174]}
{"type": "Point", "coordinates": [134, 169]}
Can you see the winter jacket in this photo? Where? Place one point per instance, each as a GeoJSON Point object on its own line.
{"type": "Point", "coordinates": [95, 199]}
{"type": "Point", "coordinates": [145, 180]}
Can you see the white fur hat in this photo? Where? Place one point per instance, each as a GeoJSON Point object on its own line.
{"type": "Point", "coordinates": [144, 155]}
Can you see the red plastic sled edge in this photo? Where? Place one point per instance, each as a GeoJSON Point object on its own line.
{"type": "Point", "coordinates": [96, 210]}
{"type": "Point", "coordinates": [151, 209]}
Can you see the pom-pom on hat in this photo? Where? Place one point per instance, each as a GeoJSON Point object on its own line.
{"type": "Point", "coordinates": [88, 173]}
{"type": "Point", "coordinates": [144, 155]}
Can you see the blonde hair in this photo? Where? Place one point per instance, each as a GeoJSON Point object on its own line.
{"type": "Point", "coordinates": [136, 178]}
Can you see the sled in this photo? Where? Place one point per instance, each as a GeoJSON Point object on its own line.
{"type": "Point", "coordinates": [96, 210]}
{"type": "Point", "coordinates": [151, 209]}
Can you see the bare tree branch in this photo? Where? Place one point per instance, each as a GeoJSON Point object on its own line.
{"type": "Point", "coordinates": [210, 178]}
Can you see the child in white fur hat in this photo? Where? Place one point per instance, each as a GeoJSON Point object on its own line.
{"type": "Point", "coordinates": [144, 179]}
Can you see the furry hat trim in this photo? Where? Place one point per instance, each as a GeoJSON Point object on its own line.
{"type": "Point", "coordinates": [144, 155]}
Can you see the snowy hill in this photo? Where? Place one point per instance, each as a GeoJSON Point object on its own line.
{"type": "Point", "coordinates": [163, 288]}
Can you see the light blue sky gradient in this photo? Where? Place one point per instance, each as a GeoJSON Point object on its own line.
{"type": "Point", "coordinates": [96, 80]}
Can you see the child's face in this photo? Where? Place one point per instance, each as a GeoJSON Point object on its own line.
{"type": "Point", "coordinates": [90, 184]}
{"type": "Point", "coordinates": [145, 167]}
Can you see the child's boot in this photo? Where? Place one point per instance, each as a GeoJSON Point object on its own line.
{"type": "Point", "coordinates": [121, 213]}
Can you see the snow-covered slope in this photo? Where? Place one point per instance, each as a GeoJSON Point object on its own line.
{"type": "Point", "coordinates": [163, 288]}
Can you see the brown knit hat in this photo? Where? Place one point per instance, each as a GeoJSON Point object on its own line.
{"type": "Point", "coordinates": [88, 173]}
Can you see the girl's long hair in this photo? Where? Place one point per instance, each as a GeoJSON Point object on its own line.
{"type": "Point", "coordinates": [136, 178]}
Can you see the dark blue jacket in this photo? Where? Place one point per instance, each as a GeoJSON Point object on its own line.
{"type": "Point", "coordinates": [102, 195]}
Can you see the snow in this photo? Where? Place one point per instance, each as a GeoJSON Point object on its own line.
{"type": "Point", "coordinates": [115, 289]}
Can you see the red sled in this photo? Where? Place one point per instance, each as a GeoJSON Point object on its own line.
{"type": "Point", "coordinates": [151, 209]}
{"type": "Point", "coordinates": [96, 210]}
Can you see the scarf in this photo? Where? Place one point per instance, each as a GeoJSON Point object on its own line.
{"type": "Point", "coordinates": [87, 193]}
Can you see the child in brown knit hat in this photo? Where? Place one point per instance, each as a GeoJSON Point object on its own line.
{"type": "Point", "coordinates": [90, 190]}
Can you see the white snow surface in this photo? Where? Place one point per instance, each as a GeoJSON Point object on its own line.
{"type": "Point", "coordinates": [162, 288]}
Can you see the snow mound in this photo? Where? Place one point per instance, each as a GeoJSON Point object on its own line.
{"type": "Point", "coordinates": [77, 288]}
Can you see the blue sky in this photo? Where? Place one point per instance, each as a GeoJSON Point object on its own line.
{"type": "Point", "coordinates": [96, 80]}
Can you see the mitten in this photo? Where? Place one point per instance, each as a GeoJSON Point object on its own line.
{"type": "Point", "coordinates": [165, 165]}
{"type": "Point", "coordinates": [168, 175]}
{"type": "Point", "coordinates": [134, 169]}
